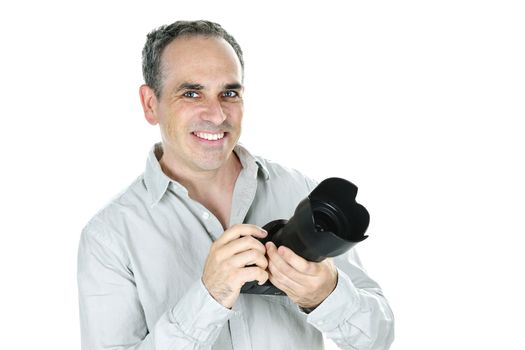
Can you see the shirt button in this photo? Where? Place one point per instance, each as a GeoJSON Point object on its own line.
{"type": "Point", "coordinates": [205, 215]}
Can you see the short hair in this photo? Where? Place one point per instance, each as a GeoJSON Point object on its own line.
{"type": "Point", "coordinates": [161, 37]}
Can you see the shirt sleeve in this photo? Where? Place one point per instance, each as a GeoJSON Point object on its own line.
{"type": "Point", "coordinates": [356, 315]}
{"type": "Point", "coordinates": [111, 313]}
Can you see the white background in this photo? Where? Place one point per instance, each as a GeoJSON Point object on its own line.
{"type": "Point", "coordinates": [417, 102]}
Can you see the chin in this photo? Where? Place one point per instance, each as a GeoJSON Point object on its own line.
{"type": "Point", "coordinates": [210, 160]}
{"type": "Point", "coordinates": [210, 164]}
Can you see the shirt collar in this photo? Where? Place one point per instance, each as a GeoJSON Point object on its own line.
{"type": "Point", "coordinates": [251, 164]}
{"type": "Point", "coordinates": [154, 178]}
{"type": "Point", "coordinates": [157, 182]}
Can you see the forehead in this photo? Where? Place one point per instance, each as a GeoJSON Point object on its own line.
{"type": "Point", "coordinates": [193, 58]}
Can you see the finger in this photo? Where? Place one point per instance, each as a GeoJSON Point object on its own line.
{"type": "Point", "coordinates": [245, 243]}
{"type": "Point", "coordinates": [282, 281]}
{"type": "Point", "coordinates": [240, 230]}
{"type": "Point", "coordinates": [281, 269]}
{"type": "Point", "coordinates": [239, 245]}
{"type": "Point", "coordinates": [253, 273]}
{"type": "Point", "coordinates": [249, 257]}
{"type": "Point", "coordinates": [298, 263]}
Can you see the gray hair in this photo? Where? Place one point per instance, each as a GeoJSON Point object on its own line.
{"type": "Point", "coordinates": [161, 37]}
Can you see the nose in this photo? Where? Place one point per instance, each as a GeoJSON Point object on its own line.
{"type": "Point", "coordinates": [214, 112]}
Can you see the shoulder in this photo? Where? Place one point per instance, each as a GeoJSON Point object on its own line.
{"type": "Point", "coordinates": [285, 176]}
{"type": "Point", "coordinates": [108, 225]}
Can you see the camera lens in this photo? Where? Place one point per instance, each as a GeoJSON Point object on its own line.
{"type": "Point", "coordinates": [327, 218]}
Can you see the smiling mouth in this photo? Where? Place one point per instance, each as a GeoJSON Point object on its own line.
{"type": "Point", "coordinates": [209, 136]}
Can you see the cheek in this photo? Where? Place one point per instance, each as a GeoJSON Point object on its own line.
{"type": "Point", "coordinates": [171, 127]}
{"type": "Point", "coordinates": [234, 113]}
{"type": "Point", "coordinates": [171, 130]}
{"type": "Point", "coordinates": [174, 124]}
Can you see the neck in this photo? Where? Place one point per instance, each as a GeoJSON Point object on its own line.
{"type": "Point", "coordinates": [200, 183]}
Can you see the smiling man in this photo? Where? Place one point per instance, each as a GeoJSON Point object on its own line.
{"type": "Point", "coordinates": [162, 266]}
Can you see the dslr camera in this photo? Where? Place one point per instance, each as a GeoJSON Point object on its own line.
{"type": "Point", "coordinates": [327, 223]}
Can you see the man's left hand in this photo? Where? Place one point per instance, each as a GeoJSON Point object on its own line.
{"type": "Point", "coordinates": [307, 283]}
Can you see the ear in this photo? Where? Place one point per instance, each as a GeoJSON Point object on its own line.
{"type": "Point", "coordinates": [149, 104]}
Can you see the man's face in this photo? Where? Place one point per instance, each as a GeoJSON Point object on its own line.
{"type": "Point", "coordinates": [200, 108]}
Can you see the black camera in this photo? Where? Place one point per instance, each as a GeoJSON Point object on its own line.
{"type": "Point", "coordinates": [327, 223]}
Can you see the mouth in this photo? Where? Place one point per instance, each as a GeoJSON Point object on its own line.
{"type": "Point", "coordinates": [209, 136]}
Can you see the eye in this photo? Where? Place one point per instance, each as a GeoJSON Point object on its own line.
{"type": "Point", "coordinates": [230, 93]}
{"type": "Point", "coordinates": [191, 94]}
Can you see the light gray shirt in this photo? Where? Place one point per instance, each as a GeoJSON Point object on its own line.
{"type": "Point", "coordinates": [141, 259]}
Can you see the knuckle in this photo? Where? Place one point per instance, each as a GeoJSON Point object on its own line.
{"type": "Point", "coordinates": [234, 227]}
{"type": "Point", "coordinates": [248, 240]}
{"type": "Point", "coordinates": [256, 245]}
{"type": "Point", "coordinates": [316, 285]}
{"type": "Point", "coordinates": [242, 242]}
{"type": "Point", "coordinates": [263, 263]}
{"type": "Point", "coordinates": [250, 274]}
{"type": "Point", "coordinates": [255, 256]}
{"type": "Point", "coordinates": [228, 265]}
{"type": "Point", "coordinates": [310, 269]}
{"type": "Point", "coordinates": [218, 255]}
{"type": "Point", "coordinates": [254, 228]}
{"type": "Point", "coordinates": [251, 258]}
{"type": "Point", "coordinates": [263, 276]}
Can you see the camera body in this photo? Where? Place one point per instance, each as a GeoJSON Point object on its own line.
{"type": "Point", "coordinates": [327, 223]}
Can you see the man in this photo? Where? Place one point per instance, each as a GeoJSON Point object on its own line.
{"type": "Point", "coordinates": [161, 267]}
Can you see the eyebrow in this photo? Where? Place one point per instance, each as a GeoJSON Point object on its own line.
{"type": "Point", "coordinates": [196, 86]}
{"type": "Point", "coordinates": [233, 86]}
{"type": "Point", "coordinates": [189, 86]}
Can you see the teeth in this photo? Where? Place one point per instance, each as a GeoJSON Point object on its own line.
{"type": "Point", "coordinates": [209, 137]}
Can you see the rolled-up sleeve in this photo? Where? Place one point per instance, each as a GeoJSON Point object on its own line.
{"type": "Point", "coordinates": [111, 313]}
{"type": "Point", "coordinates": [356, 315]}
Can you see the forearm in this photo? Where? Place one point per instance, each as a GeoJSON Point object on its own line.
{"type": "Point", "coordinates": [194, 323]}
{"type": "Point", "coordinates": [355, 318]}
{"type": "Point", "coordinates": [112, 315]}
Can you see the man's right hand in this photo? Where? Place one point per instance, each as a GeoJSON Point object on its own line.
{"type": "Point", "coordinates": [228, 267]}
